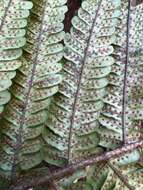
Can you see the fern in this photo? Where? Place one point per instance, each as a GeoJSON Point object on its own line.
{"type": "Point", "coordinates": [35, 83]}
{"type": "Point", "coordinates": [12, 31]}
{"type": "Point", "coordinates": [68, 99]}
{"type": "Point", "coordinates": [71, 126]}
{"type": "Point", "coordinates": [121, 117]}
{"type": "Point", "coordinates": [123, 173]}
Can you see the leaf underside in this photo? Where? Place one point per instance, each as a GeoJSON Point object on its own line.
{"type": "Point", "coordinates": [72, 101]}
{"type": "Point", "coordinates": [124, 173]}
{"type": "Point", "coordinates": [71, 128]}
{"type": "Point", "coordinates": [35, 83]}
{"type": "Point", "coordinates": [13, 20]}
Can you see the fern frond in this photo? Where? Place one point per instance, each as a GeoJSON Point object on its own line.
{"type": "Point", "coordinates": [121, 117]}
{"type": "Point", "coordinates": [13, 20]}
{"type": "Point", "coordinates": [121, 173]}
{"type": "Point", "coordinates": [70, 132]}
{"type": "Point", "coordinates": [124, 173]}
{"type": "Point", "coordinates": [36, 82]}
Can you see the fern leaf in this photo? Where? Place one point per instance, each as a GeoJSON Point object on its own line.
{"type": "Point", "coordinates": [13, 20]}
{"type": "Point", "coordinates": [70, 132]}
{"type": "Point", "coordinates": [122, 173]}
{"type": "Point", "coordinates": [121, 117]}
{"type": "Point", "coordinates": [36, 82]}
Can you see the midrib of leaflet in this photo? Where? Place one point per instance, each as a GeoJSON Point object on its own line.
{"type": "Point", "coordinates": [80, 80]}
{"type": "Point", "coordinates": [27, 95]}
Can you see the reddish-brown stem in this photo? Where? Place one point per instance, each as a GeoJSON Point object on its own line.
{"type": "Point", "coordinates": [26, 183]}
{"type": "Point", "coordinates": [121, 176]}
{"type": "Point", "coordinates": [125, 140]}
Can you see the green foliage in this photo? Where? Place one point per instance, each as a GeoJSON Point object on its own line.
{"type": "Point", "coordinates": [121, 117]}
{"type": "Point", "coordinates": [124, 173]}
{"type": "Point", "coordinates": [67, 97]}
{"type": "Point", "coordinates": [13, 15]}
{"type": "Point", "coordinates": [73, 115]}
{"type": "Point", "coordinates": [34, 85]}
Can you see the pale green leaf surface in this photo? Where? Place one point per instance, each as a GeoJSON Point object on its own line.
{"type": "Point", "coordinates": [36, 82]}
{"type": "Point", "coordinates": [13, 20]}
{"type": "Point", "coordinates": [72, 124]}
